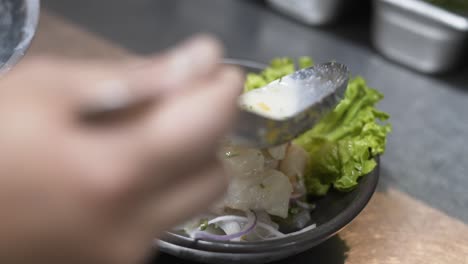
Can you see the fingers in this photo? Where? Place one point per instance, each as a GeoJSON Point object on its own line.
{"type": "Point", "coordinates": [195, 59]}
{"type": "Point", "coordinates": [184, 127]}
{"type": "Point", "coordinates": [97, 173]}
{"type": "Point", "coordinates": [188, 127]}
{"type": "Point", "coordinates": [178, 137]}
{"type": "Point", "coordinates": [151, 80]}
{"type": "Point", "coordinates": [194, 195]}
{"type": "Point", "coordinates": [102, 85]}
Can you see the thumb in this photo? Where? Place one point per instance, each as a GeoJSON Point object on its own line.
{"type": "Point", "coordinates": [195, 59]}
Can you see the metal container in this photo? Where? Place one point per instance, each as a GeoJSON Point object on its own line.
{"type": "Point", "coordinates": [311, 12]}
{"type": "Point", "coordinates": [420, 35]}
{"type": "Point", "coordinates": [18, 22]}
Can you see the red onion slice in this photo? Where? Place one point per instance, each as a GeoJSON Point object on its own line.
{"type": "Point", "coordinates": [304, 205]}
{"type": "Point", "coordinates": [237, 218]}
{"type": "Point", "coordinates": [249, 227]}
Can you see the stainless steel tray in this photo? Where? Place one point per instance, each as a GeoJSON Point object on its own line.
{"type": "Point", "coordinates": [311, 12]}
{"type": "Point", "coordinates": [420, 35]}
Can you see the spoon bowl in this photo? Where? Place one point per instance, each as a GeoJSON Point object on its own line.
{"type": "Point", "coordinates": [288, 107]}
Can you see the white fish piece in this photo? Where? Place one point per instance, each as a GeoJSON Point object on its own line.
{"type": "Point", "coordinates": [269, 190]}
{"type": "Point", "coordinates": [271, 163]}
{"type": "Point", "coordinates": [295, 162]}
{"type": "Point", "coordinates": [278, 152]}
{"type": "Point", "coordinates": [243, 162]}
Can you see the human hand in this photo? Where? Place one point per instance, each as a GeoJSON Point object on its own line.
{"type": "Point", "coordinates": [79, 192]}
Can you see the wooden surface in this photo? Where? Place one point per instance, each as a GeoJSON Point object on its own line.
{"type": "Point", "coordinates": [394, 228]}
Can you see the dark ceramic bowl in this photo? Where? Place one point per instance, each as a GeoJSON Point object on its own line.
{"type": "Point", "coordinates": [18, 22]}
{"type": "Point", "coordinates": [333, 212]}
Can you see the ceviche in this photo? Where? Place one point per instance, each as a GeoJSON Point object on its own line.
{"type": "Point", "coordinates": [268, 194]}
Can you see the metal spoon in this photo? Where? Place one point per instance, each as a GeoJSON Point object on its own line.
{"type": "Point", "coordinates": [306, 96]}
{"type": "Point", "coordinates": [309, 94]}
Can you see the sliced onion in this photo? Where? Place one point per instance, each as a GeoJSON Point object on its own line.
{"type": "Point", "coordinates": [236, 218]}
{"type": "Point", "coordinates": [259, 235]}
{"type": "Point", "coordinates": [249, 227]}
{"type": "Point", "coordinates": [305, 229]}
{"type": "Point", "coordinates": [271, 229]}
{"type": "Point", "coordinates": [304, 205]}
{"type": "Point", "coordinates": [264, 217]}
{"type": "Point", "coordinates": [296, 196]}
{"type": "Point", "coordinates": [230, 227]}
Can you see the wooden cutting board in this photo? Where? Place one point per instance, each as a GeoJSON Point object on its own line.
{"type": "Point", "coordinates": [393, 229]}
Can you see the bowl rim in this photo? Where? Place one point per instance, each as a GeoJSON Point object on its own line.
{"type": "Point", "coordinates": [367, 187]}
{"type": "Point", "coordinates": [29, 30]}
{"type": "Point", "coordinates": [310, 237]}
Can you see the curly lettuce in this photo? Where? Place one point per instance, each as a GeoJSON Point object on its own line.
{"type": "Point", "coordinates": [343, 146]}
{"type": "Point", "coordinates": [278, 68]}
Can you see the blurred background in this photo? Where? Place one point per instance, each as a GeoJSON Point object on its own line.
{"type": "Point", "coordinates": [430, 38]}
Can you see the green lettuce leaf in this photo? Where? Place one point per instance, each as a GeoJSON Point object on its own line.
{"type": "Point", "coordinates": [305, 62]}
{"type": "Point", "coordinates": [343, 146]}
{"type": "Point", "coordinates": [278, 68]}
{"type": "Point", "coordinates": [352, 136]}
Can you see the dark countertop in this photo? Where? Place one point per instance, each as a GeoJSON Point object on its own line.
{"type": "Point", "coordinates": [426, 158]}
